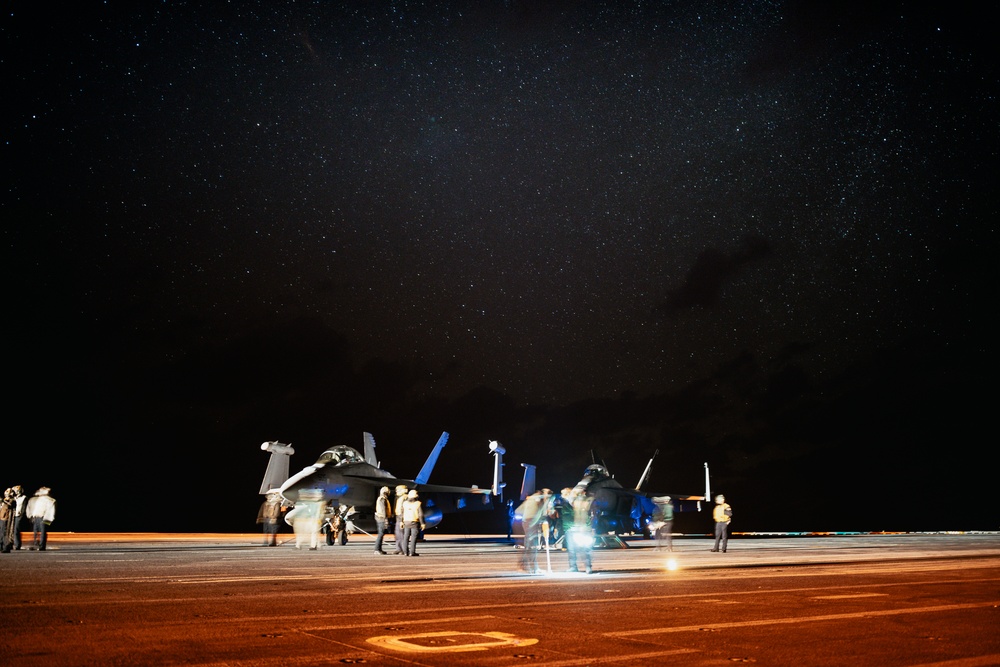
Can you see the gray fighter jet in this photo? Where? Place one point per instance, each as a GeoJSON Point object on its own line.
{"type": "Point", "coordinates": [342, 476]}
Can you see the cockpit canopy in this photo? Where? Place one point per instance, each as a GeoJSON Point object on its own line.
{"type": "Point", "coordinates": [596, 471]}
{"type": "Point", "coordinates": [340, 455]}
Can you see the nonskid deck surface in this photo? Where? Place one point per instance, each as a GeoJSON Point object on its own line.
{"type": "Point", "coordinates": [226, 599]}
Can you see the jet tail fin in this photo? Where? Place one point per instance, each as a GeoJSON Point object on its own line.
{"type": "Point", "coordinates": [370, 457]}
{"type": "Point", "coordinates": [498, 451]}
{"type": "Point", "coordinates": [528, 483]}
{"type": "Point", "coordinates": [431, 461]}
{"type": "Point", "coordinates": [645, 473]}
{"type": "Point", "coordinates": [277, 465]}
{"type": "Point", "coordinates": [708, 485]}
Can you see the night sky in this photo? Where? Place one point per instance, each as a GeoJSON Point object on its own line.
{"type": "Point", "coordinates": [760, 235]}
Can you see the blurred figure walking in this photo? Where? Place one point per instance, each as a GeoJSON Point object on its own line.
{"type": "Point", "coordinates": [560, 516]}
{"type": "Point", "coordinates": [305, 518]}
{"type": "Point", "coordinates": [269, 516]}
{"type": "Point", "coordinates": [41, 509]}
{"type": "Point", "coordinates": [532, 512]}
{"type": "Point", "coordinates": [663, 522]}
{"type": "Point", "coordinates": [582, 533]}
{"type": "Point", "coordinates": [565, 524]}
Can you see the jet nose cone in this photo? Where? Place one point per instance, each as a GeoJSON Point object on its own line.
{"type": "Point", "coordinates": [305, 479]}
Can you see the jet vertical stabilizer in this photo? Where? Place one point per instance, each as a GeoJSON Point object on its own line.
{"type": "Point", "coordinates": [528, 483]}
{"type": "Point", "coordinates": [498, 451]}
{"type": "Point", "coordinates": [277, 465]}
{"type": "Point", "coordinates": [431, 461]}
{"type": "Point", "coordinates": [645, 473]}
{"type": "Point", "coordinates": [708, 486]}
{"type": "Point", "coordinates": [370, 458]}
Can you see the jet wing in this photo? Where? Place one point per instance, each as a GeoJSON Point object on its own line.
{"type": "Point", "coordinates": [437, 488]}
{"type": "Point", "coordinates": [438, 499]}
{"type": "Point", "coordinates": [683, 502]}
{"type": "Point", "coordinates": [423, 488]}
{"type": "Point", "coordinates": [379, 481]}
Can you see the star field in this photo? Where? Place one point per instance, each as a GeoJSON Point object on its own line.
{"type": "Point", "coordinates": [725, 231]}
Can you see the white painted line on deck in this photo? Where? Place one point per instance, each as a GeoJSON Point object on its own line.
{"type": "Point", "coordinates": [799, 619]}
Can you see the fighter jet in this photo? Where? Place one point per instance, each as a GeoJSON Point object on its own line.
{"type": "Point", "coordinates": [617, 510]}
{"type": "Point", "coordinates": [343, 476]}
{"type": "Point", "coordinates": [622, 511]}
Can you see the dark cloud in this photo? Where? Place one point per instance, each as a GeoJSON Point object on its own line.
{"type": "Point", "coordinates": [713, 267]}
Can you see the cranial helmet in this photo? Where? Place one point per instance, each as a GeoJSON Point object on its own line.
{"type": "Point", "coordinates": [384, 490]}
{"type": "Point", "coordinates": [401, 489]}
{"type": "Point", "coordinates": [412, 494]}
{"type": "Point", "coordinates": [720, 499]}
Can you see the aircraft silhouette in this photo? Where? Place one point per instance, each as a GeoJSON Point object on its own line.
{"type": "Point", "coordinates": [617, 510]}
{"type": "Point", "coordinates": [343, 476]}
{"type": "Point", "coordinates": [622, 511]}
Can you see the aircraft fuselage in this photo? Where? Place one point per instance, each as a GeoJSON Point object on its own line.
{"type": "Point", "coordinates": [343, 477]}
